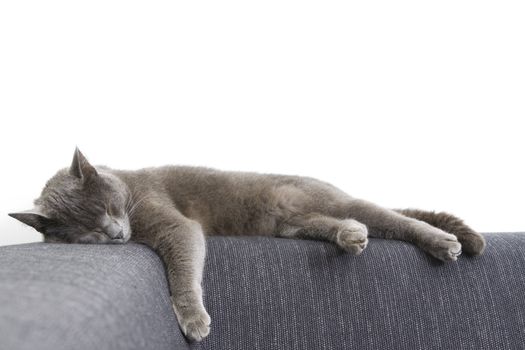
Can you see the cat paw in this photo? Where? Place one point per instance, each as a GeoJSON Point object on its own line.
{"type": "Point", "coordinates": [445, 247]}
{"type": "Point", "coordinates": [195, 325]}
{"type": "Point", "coordinates": [353, 237]}
{"type": "Point", "coordinates": [472, 242]}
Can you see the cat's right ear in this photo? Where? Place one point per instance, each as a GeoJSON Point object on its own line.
{"type": "Point", "coordinates": [33, 218]}
{"type": "Point", "coordinates": [81, 168]}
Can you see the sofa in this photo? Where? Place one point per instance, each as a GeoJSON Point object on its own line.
{"type": "Point", "coordinates": [266, 293]}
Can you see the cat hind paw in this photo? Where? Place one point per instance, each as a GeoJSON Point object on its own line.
{"type": "Point", "coordinates": [353, 238]}
{"type": "Point", "coordinates": [445, 248]}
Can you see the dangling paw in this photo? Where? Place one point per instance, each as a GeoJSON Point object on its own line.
{"type": "Point", "coordinates": [195, 324]}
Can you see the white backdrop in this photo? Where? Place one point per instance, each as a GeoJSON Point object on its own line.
{"type": "Point", "coordinates": [405, 103]}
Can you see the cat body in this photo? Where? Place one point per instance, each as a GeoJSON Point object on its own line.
{"type": "Point", "coordinates": [172, 208]}
{"type": "Point", "coordinates": [234, 203]}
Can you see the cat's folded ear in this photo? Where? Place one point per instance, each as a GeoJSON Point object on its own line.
{"type": "Point", "coordinates": [81, 168]}
{"type": "Point", "coordinates": [34, 218]}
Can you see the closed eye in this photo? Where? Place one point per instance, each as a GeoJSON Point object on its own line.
{"type": "Point", "coordinates": [108, 209]}
{"type": "Point", "coordinates": [112, 210]}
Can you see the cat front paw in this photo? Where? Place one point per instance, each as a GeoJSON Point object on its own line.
{"type": "Point", "coordinates": [445, 247]}
{"type": "Point", "coordinates": [197, 327]}
{"type": "Point", "coordinates": [353, 237]}
{"type": "Point", "coordinates": [194, 324]}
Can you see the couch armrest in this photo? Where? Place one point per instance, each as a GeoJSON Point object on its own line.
{"type": "Point", "coordinates": [93, 297]}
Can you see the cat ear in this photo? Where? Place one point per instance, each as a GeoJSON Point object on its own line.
{"type": "Point", "coordinates": [80, 166]}
{"type": "Point", "coordinates": [33, 218]}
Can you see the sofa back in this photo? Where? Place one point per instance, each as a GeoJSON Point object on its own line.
{"type": "Point", "coordinates": [269, 293]}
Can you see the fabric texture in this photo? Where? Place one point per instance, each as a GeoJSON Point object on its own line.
{"type": "Point", "coordinates": [92, 297]}
{"type": "Point", "coordinates": [266, 293]}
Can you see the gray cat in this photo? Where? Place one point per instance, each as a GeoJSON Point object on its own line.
{"type": "Point", "coordinates": [171, 209]}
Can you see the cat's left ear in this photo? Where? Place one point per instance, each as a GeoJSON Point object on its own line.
{"type": "Point", "coordinates": [81, 168]}
{"type": "Point", "coordinates": [34, 218]}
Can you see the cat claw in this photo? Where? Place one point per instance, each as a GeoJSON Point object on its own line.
{"type": "Point", "coordinates": [457, 253]}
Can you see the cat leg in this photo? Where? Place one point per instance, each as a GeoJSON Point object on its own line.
{"type": "Point", "coordinates": [180, 243]}
{"type": "Point", "coordinates": [183, 248]}
{"type": "Point", "coordinates": [472, 242]}
{"type": "Point", "coordinates": [386, 223]}
{"type": "Point", "coordinates": [348, 234]}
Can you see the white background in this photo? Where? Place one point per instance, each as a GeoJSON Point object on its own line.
{"type": "Point", "coordinates": [405, 103]}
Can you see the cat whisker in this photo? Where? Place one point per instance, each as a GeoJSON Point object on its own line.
{"type": "Point", "coordinates": [135, 206]}
{"type": "Point", "coordinates": [129, 202]}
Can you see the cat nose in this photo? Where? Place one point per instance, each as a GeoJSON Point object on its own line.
{"type": "Point", "coordinates": [120, 234]}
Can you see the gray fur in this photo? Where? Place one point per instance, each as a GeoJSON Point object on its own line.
{"type": "Point", "coordinates": [171, 209]}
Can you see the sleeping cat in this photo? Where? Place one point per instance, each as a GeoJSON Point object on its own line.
{"type": "Point", "coordinates": [171, 209]}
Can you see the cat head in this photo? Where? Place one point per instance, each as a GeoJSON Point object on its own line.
{"type": "Point", "coordinates": [81, 204]}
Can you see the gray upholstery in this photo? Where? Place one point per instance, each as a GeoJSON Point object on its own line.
{"type": "Point", "coordinates": [290, 294]}
{"type": "Point", "coordinates": [266, 293]}
{"type": "Point", "coordinates": [57, 296]}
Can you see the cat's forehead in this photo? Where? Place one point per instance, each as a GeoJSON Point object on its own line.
{"type": "Point", "coordinates": [63, 189]}
{"type": "Point", "coordinates": [64, 184]}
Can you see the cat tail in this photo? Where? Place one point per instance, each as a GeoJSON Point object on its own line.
{"type": "Point", "coordinates": [472, 242]}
